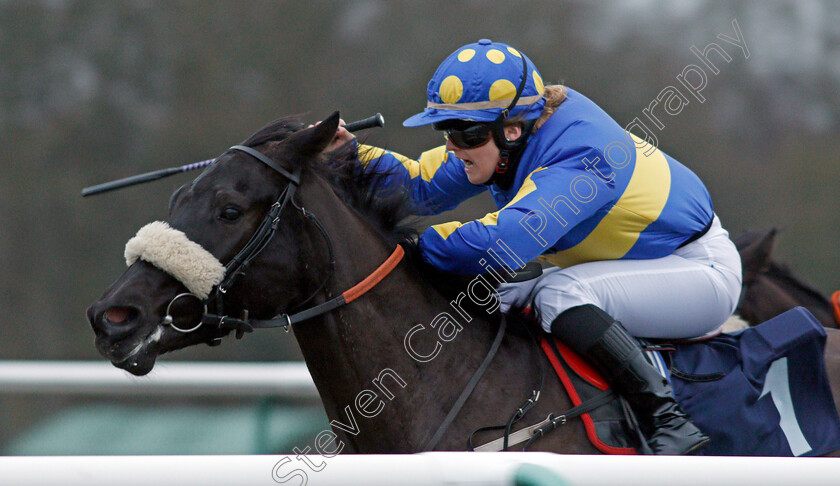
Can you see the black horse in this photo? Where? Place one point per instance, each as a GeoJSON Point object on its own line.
{"type": "Point", "coordinates": [390, 365]}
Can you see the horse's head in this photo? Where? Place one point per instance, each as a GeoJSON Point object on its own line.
{"type": "Point", "coordinates": [210, 233]}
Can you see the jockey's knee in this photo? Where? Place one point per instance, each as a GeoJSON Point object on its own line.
{"type": "Point", "coordinates": [558, 292]}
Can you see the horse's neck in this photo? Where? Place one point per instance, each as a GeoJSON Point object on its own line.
{"type": "Point", "coordinates": [775, 291]}
{"type": "Point", "coordinates": [359, 354]}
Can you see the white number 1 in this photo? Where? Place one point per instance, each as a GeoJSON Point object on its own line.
{"type": "Point", "coordinates": [776, 384]}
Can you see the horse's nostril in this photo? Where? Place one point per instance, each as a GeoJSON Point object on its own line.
{"type": "Point", "coordinates": [118, 315]}
{"type": "Point", "coordinates": [113, 323]}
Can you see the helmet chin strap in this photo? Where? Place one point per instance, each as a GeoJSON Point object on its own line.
{"type": "Point", "coordinates": [509, 154]}
{"type": "Point", "coordinates": [508, 148]}
{"type": "Point", "coordinates": [502, 164]}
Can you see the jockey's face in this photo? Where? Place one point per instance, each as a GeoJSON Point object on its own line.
{"type": "Point", "coordinates": [480, 162]}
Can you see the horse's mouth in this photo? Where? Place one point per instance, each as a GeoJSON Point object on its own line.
{"type": "Point", "coordinates": [139, 361]}
{"type": "Point", "coordinates": [138, 365]}
{"type": "Point", "coordinates": [136, 357]}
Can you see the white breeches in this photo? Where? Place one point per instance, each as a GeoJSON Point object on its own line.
{"type": "Point", "coordinates": [687, 294]}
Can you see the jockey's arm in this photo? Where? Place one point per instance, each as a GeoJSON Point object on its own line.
{"type": "Point", "coordinates": [436, 182]}
{"type": "Point", "coordinates": [525, 228]}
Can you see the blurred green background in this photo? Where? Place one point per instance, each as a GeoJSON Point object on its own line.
{"type": "Point", "coordinates": [94, 91]}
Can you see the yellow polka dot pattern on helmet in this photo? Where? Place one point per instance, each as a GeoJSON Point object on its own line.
{"type": "Point", "coordinates": [538, 82]}
{"type": "Point", "coordinates": [466, 55]}
{"type": "Point", "coordinates": [451, 89]}
{"type": "Point", "coordinates": [496, 56]}
{"type": "Point", "coordinates": [513, 51]}
{"type": "Point", "coordinates": [502, 89]}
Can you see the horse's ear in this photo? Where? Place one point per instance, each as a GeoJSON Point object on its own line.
{"type": "Point", "coordinates": [756, 255]}
{"type": "Point", "coordinates": [311, 141]}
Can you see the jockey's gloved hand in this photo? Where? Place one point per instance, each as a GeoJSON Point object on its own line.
{"type": "Point", "coordinates": [411, 244]}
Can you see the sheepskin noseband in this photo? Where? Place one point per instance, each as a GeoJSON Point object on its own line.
{"type": "Point", "coordinates": [171, 251]}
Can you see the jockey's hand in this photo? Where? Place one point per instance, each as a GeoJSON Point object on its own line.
{"type": "Point", "coordinates": [341, 137]}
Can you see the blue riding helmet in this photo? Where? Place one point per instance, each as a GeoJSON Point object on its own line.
{"type": "Point", "coordinates": [478, 82]}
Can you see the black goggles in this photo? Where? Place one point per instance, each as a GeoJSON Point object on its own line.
{"type": "Point", "coordinates": [470, 137]}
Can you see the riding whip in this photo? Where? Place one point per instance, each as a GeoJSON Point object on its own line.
{"type": "Point", "coordinates": [376, 120]}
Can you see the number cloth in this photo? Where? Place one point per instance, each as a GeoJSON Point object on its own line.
{"type": "Point", "coordinates": [762, 391]}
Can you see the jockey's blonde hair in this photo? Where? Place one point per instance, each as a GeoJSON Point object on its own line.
{"type": "Point", "coordinates": [554, 94]}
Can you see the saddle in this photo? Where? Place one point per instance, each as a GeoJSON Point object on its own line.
{"type": "Point", "coordinates": [611, 428]}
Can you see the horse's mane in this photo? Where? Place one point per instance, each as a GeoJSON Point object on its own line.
{"type": "Point", "coordinates": [782, 273]}
{"type": "Point", "coordinates": [385, 207]}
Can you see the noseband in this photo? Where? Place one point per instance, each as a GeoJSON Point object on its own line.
{"type": "Point", "coordinates": [238, 265]}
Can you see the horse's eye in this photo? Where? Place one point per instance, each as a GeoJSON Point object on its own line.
{"type": "Point", "coordinates": [230, 213]}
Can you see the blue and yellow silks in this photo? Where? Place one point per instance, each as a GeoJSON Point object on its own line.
{"type": "Point", "coordinates": [585, 190]}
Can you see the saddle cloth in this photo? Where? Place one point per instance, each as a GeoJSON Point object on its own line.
{"type": "Point", "coordinates": [760, 391]}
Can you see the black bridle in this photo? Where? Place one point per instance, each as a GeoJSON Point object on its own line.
{"type": "Point", "coordinates": [238, 265]}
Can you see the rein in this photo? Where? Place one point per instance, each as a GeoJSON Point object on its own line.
{"type": "Point", "coordinates": [286, 320]}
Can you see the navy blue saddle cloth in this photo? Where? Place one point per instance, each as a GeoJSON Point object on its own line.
{"type": "Point", "coordinates": [760, 391]}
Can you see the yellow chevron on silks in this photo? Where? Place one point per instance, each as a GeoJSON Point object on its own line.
{"type": "Point", "coordinates": [429, 163]}
{"type": "Point", "coordinates": [640, 205]}
{"type": "Point", "coordinates": [446, 229]}
{"type": "Point", "coordinates": [368, 153]}
{"type": "Point", "coordinates": [490, 219]}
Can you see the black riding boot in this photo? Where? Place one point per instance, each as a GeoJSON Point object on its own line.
{"type": "Point", "coordinates": [605, 343]}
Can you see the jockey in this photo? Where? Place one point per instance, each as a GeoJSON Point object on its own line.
{"type": "Point", "coordinates": [635, 245]}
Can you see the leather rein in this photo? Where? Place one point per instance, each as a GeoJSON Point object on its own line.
{"type": "Point", "coordinates": [263, 235]}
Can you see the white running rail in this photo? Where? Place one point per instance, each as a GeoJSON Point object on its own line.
{"type": "Point", "coordinates": [432, 468]}
{"type": "Point", "coordinates": [284, 380]}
